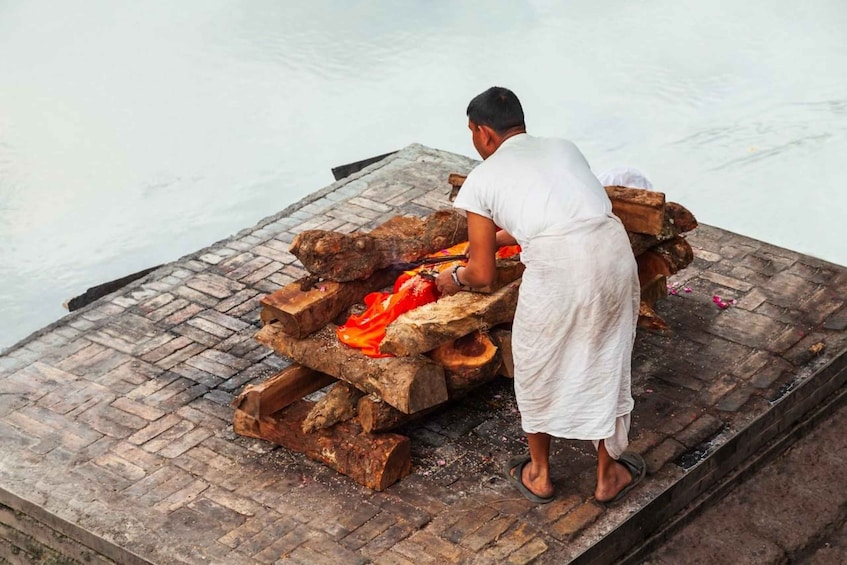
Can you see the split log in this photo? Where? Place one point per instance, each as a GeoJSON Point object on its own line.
{"type": "Point", "coordinates": [302, 312]}
{"type": "Point", "coordinates": [410, 384]}
{"type": "Point", "coordinates": [448, 319]}
{"type": "Point", "coordinates": [374, 460]}
{"type": "Point", "coordinates": [346, 257]}
{"type": "Point", "coordinates": [337, 405]}
{"type": "Point", "coordinates": [277, 392]}
{"type": "Point", "coordinates": [469, 362]}
{"type": "Point", "coordinates": [640, 210]}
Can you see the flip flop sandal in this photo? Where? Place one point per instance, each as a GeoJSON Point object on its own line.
{"type": "Point", "coordinates": [636, 466]}
{"type": "Point", "coordinates": [517, 464]}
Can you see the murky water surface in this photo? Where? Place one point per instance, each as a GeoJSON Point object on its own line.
{"type": "Point", "coordinates": [134, 133]}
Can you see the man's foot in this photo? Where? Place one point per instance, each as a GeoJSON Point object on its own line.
{"type": "Point", "coordinates": [628, 471]}
{"type": "Point", "coordinates": [515, 473]}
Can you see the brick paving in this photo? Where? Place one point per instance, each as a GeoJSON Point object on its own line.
{"type": "Point", "coordinates": [115, 421]}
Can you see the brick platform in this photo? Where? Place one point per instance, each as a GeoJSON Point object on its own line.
{"type": "Point", "coordinates": [115, 434]}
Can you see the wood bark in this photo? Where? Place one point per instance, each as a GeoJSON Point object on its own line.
{"type": "Point", "coordinates": [678, 220]}
{"type": "Point", "coordinates": [410, 384]}
{"type": "Point", "coordinates": [654, 289]}
{"type": "Point", "coordinates": [337, 405]}
{"type": "Point", "coordinates": [374, 460]}
{"type": "Point", "coordinates": [666, 258]}
{"type": "Point", "coordinates": [346, 257]}
{"type": "Point", "coordinates": [676, 252]}
{"type": "Point", "coordinates": [448, 319]}
{"type": "Point", "coordinates": [278, 391]}
{"type": "Point", "coordinates": [376, 415]}
{"type": "Point", "coordinates": [680, 217]}
{"type": "Point", "coordinates": [302, 312]}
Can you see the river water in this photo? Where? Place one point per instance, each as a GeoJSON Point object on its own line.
{"type": "Point", "coordinates": [132, 133]}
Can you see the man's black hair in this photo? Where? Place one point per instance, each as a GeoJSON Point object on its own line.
{"type": "Point", "coordinates": [497, 108]}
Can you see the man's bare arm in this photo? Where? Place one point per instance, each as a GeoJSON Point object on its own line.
{"type": "Point", "coordinates": [504, 238]}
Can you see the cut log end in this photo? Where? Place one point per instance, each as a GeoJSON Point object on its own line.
{"type": "Point", "coordinates": [468, 352]}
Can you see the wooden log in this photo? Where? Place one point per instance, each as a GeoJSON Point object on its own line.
{"type": "Point", "coordinates": [278, 391]}
{"type": "Point", "coordinates": [640, 210]}
{"type": "Point", "coordinates": [654, 289]}
{"type": "Point", "coordinates": [470, 362]}
{"type": "Point", "coordinates": [503, 339]}
{"type": "Point", "coordinates": [410, 384]}
{"type": "Point", "coordinates": [374, 460]}
{"type": "Point", "coordinates": [346, 257]}
{"type": "Point", "coordinates": [375, 415]}
{"type": "Point", "coordinates": [337, 405]}
{"type": "Point", "coordinates": [676, 252]}
{"type": "Point", "coordinates": [301, 312]}
{"type": "Point", "coordinates": [665, 258]}
{"type": "Point", "coordinates": [678, 220]}
{"type": "Point", "coordinates": [448, 319]}
{"type": "Point", "coordinates": [679, 216]}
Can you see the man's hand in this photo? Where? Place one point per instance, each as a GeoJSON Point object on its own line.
{"type": "Point", "coordinates": [444, 283]}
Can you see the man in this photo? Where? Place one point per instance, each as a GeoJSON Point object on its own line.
{"type": "Point", "coordinates": [574, 325]}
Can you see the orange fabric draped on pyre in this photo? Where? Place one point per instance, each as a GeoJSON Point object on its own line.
{"type": "Point", "coordinates": [413, 288]}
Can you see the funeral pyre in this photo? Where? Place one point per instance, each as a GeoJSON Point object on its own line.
{"type": "Point", "coordinates": [390, 350]}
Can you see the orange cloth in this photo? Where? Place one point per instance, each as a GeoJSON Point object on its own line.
{"type": "Point", "coordinates": [411, 289]}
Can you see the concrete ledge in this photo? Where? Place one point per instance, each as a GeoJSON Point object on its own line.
{"type": "Point", "coordinates": [73, 541]}
{"type": "Point", "coordinates": [817, 394]}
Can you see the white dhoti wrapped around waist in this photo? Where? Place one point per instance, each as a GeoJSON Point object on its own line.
{"type": "Point", "coordinates": [574, 329]}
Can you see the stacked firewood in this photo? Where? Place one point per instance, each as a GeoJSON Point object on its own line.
{"type": "Point", "coordinates": [441, 350]}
